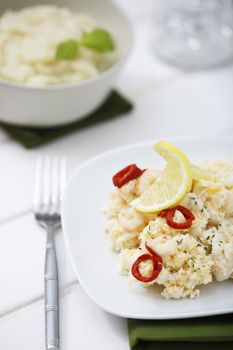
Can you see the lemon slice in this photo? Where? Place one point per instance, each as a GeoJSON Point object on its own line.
{"type": "Point", "coordinates": [200, 174]}
{"type": "Point", "coordinates": [172, 186]}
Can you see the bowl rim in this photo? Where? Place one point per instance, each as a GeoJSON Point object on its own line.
{"type": "Point", "coordinates": [101, 76]}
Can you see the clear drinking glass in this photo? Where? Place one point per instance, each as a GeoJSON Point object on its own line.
{"type": "Point", "coordinates": [194, 34]}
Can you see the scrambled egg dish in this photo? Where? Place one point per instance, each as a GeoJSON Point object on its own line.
{"type": "Point", "coordinates": [192, 256]}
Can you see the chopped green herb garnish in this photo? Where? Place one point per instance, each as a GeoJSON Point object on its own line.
{"type": "Point", "coordinates": [179, 241]}
{"type": "Point", "coordinates": [208, 250]}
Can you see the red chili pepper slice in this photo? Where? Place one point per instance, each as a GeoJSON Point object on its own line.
{"type": "Point", "coordinates": [157, 263]}
{"type": "Point", "coordinates": [163, 213]}
{"type": "Point", "coordinates": [169, 214]}
{"type": "Point", "coordinates": [130, 172]}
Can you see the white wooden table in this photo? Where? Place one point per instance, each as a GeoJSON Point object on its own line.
{"type": "Point", "coordinates": [167, 103]}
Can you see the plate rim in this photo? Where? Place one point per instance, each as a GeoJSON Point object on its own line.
{"type": "Point", "coordinates": [74, 173]}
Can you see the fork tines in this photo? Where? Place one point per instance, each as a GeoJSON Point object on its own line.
{"type": "Point", "coordinates": [50, 180]}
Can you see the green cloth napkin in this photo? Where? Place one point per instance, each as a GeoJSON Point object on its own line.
{"type": "Point", "coordinates": [114, 106]}
{"type": "Point", "coordinates": [215, 333]}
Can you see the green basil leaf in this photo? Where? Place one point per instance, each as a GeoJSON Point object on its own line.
{"type": "Point", "coordinates": [98, 40]}
{"type": "Point", "coordinates": [67, 50]}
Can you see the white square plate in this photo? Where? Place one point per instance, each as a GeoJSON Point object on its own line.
{"type": "Point", "coordinates": [88, 245]}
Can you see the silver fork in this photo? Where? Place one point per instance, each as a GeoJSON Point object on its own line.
{"type": "Point", "coordinates": [50, 179]}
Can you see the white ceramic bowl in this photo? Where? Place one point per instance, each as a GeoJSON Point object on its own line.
{"type": "Point", "coordinates": [47, 106]}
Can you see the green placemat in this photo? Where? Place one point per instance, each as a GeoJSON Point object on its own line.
{"type": "Point", "coordinates": [215, 333]}
{"type": "Point", "coordinates": [115, 105]}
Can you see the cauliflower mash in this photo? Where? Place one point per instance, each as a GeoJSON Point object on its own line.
{"type": "Point", "coordinates": [28, 44]}
{"type": "Point", "coordinates": [191, 257]}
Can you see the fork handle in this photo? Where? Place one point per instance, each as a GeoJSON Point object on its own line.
{"type": "Point", "coordinates": [51, 293]}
